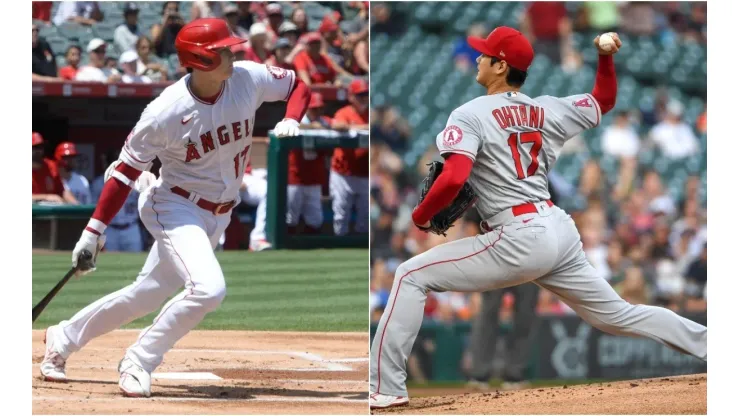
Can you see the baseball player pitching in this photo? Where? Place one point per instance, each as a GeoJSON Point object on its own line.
{"type": "Point", "coordinates": [501, 146]}
{"type": "Point", "coordinates": [200, 128]}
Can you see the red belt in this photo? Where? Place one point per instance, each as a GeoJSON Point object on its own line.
{"type": "Point", "coordinates": [529, 208]}
{"type": "Point", "coordinates": [213, 207]}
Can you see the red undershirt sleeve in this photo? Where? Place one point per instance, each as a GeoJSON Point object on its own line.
{"type": "Point", "coordinates": [298, 101]}
{"type": "Point", "coordinates": [605, 85]}
{"type": "Point", "coordinates": [455, 173]}
{"type": "Point", "coordinates": [112, 198]}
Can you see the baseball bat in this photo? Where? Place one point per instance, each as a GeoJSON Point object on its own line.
{"type": "Point", "coordinates": [84, 262]}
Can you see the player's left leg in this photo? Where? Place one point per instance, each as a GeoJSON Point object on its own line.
{"type": "Point", "coordinates": [341, 202]}
{"type": "Point", "coordinates": [313, 213]}
{"type": "Point", "coordinates": [362, 195]}
{"type": "Point", "coordinates": [577, 283]}
{"type": "Point", "coordinates": [257, 191]}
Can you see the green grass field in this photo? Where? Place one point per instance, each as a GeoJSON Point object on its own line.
{"type": "Point", "coordinates": [302, 290]}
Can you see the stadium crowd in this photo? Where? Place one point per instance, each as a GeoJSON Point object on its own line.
{"type": "Point", "coordinates": [651, 246]}
{"type": "Point", "coordinates": [332, 49]}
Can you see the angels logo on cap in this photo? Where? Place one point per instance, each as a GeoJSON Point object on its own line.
{"type": "Point", "coordinates": [452, 135]}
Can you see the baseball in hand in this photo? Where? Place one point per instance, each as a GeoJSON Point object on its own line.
{"type": "Point", "coordinates": [606, 42]}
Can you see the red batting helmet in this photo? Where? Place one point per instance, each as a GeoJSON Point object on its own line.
{"type": "Point", "coordinates": [198, 42]}
{"type": "Point", "coordinates": [65, 149]}
{"type": "Point", "coordinates": [37, 139]}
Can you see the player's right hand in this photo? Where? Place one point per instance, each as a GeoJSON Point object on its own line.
{"type": "Point", "coordinates": [92, 243]}
{"type": "Point", "coordinates": [617, 41]}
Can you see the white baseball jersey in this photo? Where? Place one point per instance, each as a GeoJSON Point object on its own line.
{"type": "Point", "coordinates": [79, 186]}
{"type": "Point", "coordinates": [514, 140]}
{"type": "Point", "coordinates": [129, 213]}
{"type": "Point", "coordinates": [205, 147]}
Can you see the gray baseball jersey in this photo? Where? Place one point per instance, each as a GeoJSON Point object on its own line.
{"type": "Point", "coordinates": [514, 141]}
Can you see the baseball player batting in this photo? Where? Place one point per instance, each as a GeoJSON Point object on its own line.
{"type": "Point", "coordinates": [200, 128]}
{"type": "Point", "coordinates": [502, 145]}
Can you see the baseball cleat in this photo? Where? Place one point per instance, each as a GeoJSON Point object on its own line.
{"type": "Point", "coordinates": [382, 401]}
{"type": "Point", "coordinates": [52, 368]}
{"type": "Point", "coordinates": [260, 245]}
{"type": "Point", "coordinates": [478, 384]}
{"type": "Point", "coordinates": [134, 381]}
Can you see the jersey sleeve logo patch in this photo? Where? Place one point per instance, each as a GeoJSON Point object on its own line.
{"type": "Point", "coordinates": [583, 102]}
{"type": "Point", "coordinates": [452, 135]}
{"type": "Point", "coordinates": [276, 72]}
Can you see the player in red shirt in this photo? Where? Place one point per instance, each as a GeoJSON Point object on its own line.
{"type": "Point", "coordinates": [47, 184]}
{"type": "Point", "coordinates": [314, 66]}
{"type": "Point", "coordinates": [307, 174]}
{"type": "Point", "coordinates": [348, 180]}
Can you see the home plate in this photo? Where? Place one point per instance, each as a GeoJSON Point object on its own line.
{"type": "Point", "coordinates": [185, 376]}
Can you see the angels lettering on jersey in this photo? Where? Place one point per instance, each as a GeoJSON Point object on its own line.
{"type": "Point", "coordinates": [205, 146]}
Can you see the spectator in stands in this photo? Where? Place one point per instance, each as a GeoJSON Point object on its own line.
{"type": "Point", "coordinates": [696, 282]}
{"type": "Point", "coordinates": [301, 21]}
{"type": "Point", "coordinates": [231, 15]}
{"type": "Point", "coordinates": [638, 18]}
{"type": "Point", "coordinates": [67, 158]}
{"type": "Point", "coordinates": [42, 11]}
{"type": "Point", "coordinates": [44, 66]}
{"type": "Point", "coordinates": [111, 63]}
{"type": "Point", "coordinates": [332, 42]}
{"type": "Point", "coordinates": [164, 33]}
{"type": "Point", "coordinates": [147, 64]}
{"type": "Point", "coordinates": [390, 128]}
{"type": "Point", "coordinates": [128, 62]}
{"type": "Point", "coordinates": [548, 27]}
{"type": "Point", "coordinates": [201, 9]}
{"type": "Point", "coordinates": [633, 289]}
{"type": "Point", "coordinates": [697, 24]}
{"type": "Point", "coordinates": [246, 18]}
{"type": "Point", "coordinates": [258, 50]}
{"type": "Point", "coordinates": [83, 12]}
{"type": "Point", "coordinates": [673, 136]}
{"type": "Point", "coordinates": [349, 172]}
{"type": "Point", "coordinates": [96, 71]}
{"type": "Point", "coordinates": [603, 16]}
{"type": "Point", "coordinates": [281, 51]}
{"type": "Point", "coordinates": [315, 117]}
{"type": "Point", "coordinates": [620, 139]}
{"type": "Point", "coordinates": [73, 55]}
{"type": "Point", "coordinates": [289, 31]}
{"type": "Point", "coordinates": [356, 58]}
{"type": "Point", "coordinates": [123, 232]}
{"type": "Point", "coordinates": [274, 20]}
{"type": "Point", "coordinates": [657, 199]}
{"type": "Point", "coordinates": [315, 67]}
{"type": "Point", "coordinates": [463, 53]}
{"type": "Point", "coordinates": [701, 121]}
{"type": "Point", "coordinates": [357, 28]}
{"type": "Point", "coordinates": [47, 184]}
{"type": "Point", "coordinates": [126, 35]}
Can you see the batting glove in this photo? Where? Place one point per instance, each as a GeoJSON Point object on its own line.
{"type": "Point", "coordinates": [287, 128]}
{"type": "Point", "coordinates": [91, 242]}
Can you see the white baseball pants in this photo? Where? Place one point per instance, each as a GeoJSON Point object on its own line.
{"type": "Point", "coordinates": [182, 255]}
{"type": "Point", "coordinates": [304, 200]}
{"type": "Point", "coordinates": [348, 192]}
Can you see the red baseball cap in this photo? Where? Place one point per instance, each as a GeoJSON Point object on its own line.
{"type": "Point", "coordinates": [311, 37]}
{"type": "Point", "coordinates": [507, 44]}
{"type": "Point", "coordinates": [358, 86]}
{"type": "Point", "coordinates": [65, 149]}
{"type": "Point", "coordinates": [37, 139]}
{"type": "Point", "coordinates": [316, 101]}
{"type": "Point", "coordinates": [328, 25]}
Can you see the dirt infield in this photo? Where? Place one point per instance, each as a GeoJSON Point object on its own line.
{"type": "Point", "coordinates": [217, 372]}
{"type": "Point", "coordinates": [670, 395]}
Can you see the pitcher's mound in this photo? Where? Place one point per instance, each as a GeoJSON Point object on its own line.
{"type": "Point", "coordinates": [668, 395]}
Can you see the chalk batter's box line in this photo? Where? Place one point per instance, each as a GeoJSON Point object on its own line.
{"type": "Point", "coordinates": [330, 364]}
